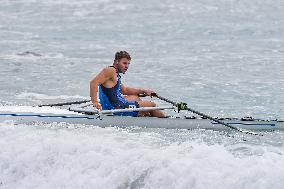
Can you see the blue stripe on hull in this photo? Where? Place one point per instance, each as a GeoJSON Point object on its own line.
{"type": "Point", "coordinates": [254, 124]}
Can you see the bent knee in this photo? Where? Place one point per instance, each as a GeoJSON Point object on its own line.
{"type": "Point", "coordinates": [132, 98]}
{"type": "Point", "coordinates": [153, 104]}
{"type": "Point", "coordinates": [147, 104]}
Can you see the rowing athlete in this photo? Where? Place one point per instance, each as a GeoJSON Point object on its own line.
{"type": "Point", "coordinates": [114, 95]}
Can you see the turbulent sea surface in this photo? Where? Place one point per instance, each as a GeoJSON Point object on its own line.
{"type": "Point", "coordinates": [224, 58]}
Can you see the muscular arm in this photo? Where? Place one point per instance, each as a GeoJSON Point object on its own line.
{"type": "Point", "coordinates": [101, 78]}
{"type": "Point", "coordinates": [134, 91]}
{"type": "Point", "coordinates": [130, 91]}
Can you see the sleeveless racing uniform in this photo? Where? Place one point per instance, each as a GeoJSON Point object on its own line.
{"type": "Point", "coordinates": [111, 98]}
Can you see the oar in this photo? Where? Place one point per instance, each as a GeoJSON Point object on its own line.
{"type": "Point", "coordinates": [183, 106]}
{"type": "Point", "coordinates": [82, 110]}
{"type": "Point", "coordinates": [65, 103]}
{"type": "Point", "coordinates": [74, 102]}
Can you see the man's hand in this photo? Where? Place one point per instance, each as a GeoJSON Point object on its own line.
{"type": "Point", "coordinates": [149, 92]}
{"type": "Point", "coordinates": [97, 105]}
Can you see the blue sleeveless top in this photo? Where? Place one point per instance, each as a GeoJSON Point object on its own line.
{"type": "Point", "coordinates": [110, 98]}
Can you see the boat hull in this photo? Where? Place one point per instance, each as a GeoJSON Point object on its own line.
{"type": "Point", "coordinates": [145, 122]}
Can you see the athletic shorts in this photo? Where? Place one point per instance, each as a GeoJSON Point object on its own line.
{"type": "Point", "coordinates": [129, 104]}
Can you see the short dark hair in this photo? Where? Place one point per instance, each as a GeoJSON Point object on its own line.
{"type": "Point", "coordinates": [122, 54]}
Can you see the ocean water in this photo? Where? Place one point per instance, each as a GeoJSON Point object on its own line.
{"type": "Point", "coordinates": [224, 58]}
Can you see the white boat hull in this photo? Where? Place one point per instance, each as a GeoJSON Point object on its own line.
{"type": "Point", "coordinates": [146, 122]}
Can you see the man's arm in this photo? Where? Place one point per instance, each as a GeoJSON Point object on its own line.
{"type": "Point", "coordinates": [134, 91]}
{"type": "Point", "coordinates": [102, 77]}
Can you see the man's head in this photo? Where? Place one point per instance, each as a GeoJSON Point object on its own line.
{"type": "Point", "coordinates": [121, 61]}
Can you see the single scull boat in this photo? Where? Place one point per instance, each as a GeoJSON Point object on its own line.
{"type": "Point", "coordinates": [80, 115]}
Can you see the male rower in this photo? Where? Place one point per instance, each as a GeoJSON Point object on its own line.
{"type": "Point", "coordinates": [114, 95]}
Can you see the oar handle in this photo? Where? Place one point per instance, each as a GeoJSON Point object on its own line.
{"type": "Point", "coordinates": [141, 95]}
{"type": "Point", "coordinates": [144, 95]}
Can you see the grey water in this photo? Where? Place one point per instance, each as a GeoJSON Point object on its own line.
{"type": "Point", "coordinates": [224, 58]}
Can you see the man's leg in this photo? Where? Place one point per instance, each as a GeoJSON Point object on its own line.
{"type": "Point", "coordinates": [132, 98]}
{"type": "Point", "coordinates": [154, 113]}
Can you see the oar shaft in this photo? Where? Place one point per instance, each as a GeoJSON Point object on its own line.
{"type": "Point", "coordinates": [64, 103]}
{"type": "Point", "coordinates": [142, 109]}
{"type": "Point", "coordinates": [166, 100]}
{"type": "Point", "coordinates": [214, 119]}
{"type": "Point", "coordinates": [74, 102]}
{"type": "Point", "coordinates": [206, 116]}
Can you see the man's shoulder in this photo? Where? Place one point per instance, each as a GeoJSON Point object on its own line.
{"type": "Point", "coordinates": [109, 71]}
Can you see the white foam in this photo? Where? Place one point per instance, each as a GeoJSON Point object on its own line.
{"type": "Point", "coordinates": [225, 58]}
{"type": "Point", "coordinates": [41, 157]}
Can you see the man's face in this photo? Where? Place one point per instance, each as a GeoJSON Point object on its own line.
{"type": "Point", "coordinates": [122, 65]}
